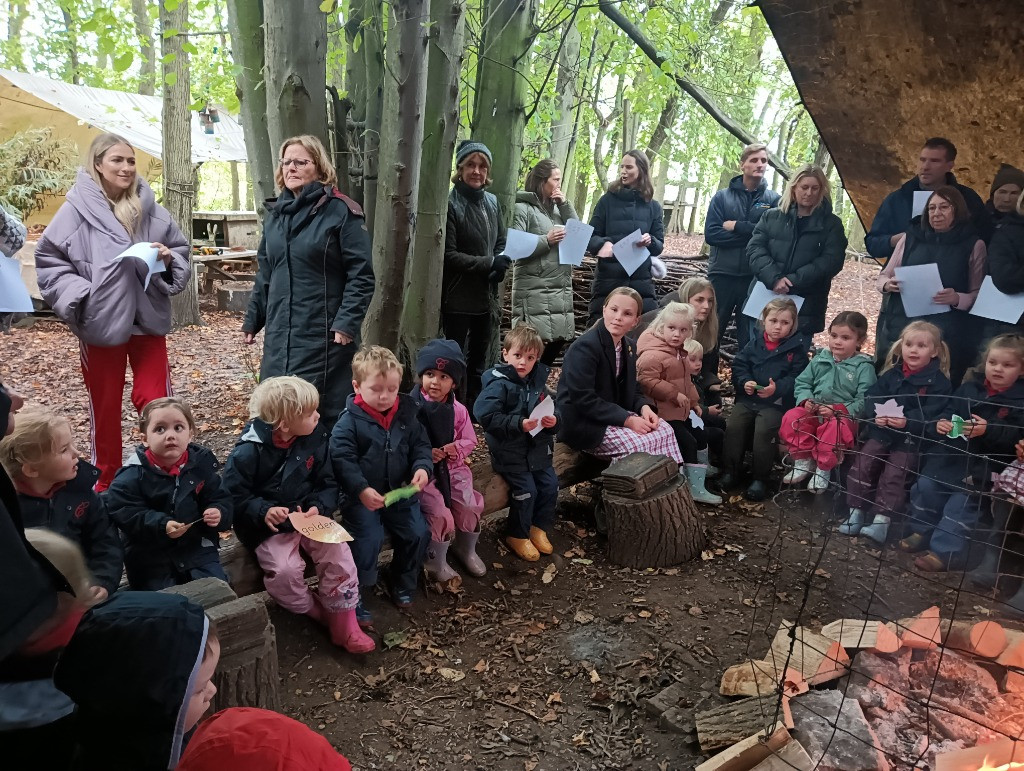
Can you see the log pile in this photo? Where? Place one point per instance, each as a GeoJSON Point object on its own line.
{"type": "Point", "coordinates": [919, 692]}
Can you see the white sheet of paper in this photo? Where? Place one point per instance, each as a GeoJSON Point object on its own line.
{"type": "Point", "coordinates": [993, 304]}
{"type": "Point", "coordinates": [14, 297]}
{"type": "Point", "coordinates": [695, 420]}
{"type": "Point", "coordinates": [572, 248]}
{"type": "Point", "coordinates": [918, 285]}
{"type": "Point", "coordinates": [519, 244]}
{"type": "Point", "coordinates": [761, 295]}
{"type": "Point", "coordinates": [629, 255]}
{"type": "Point", "coordinates": [544, 408]}
{"type": "Point", "coordinates": [889, 409]}
{"type": "Point", "coordinates": [148, 254]}
{"type": "Point", "coordinates": [920, 201]}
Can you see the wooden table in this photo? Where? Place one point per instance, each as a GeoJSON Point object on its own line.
{"type": "Point", "coordinates": [213, 267]}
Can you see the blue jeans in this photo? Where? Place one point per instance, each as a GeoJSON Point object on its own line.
{"type": "Point", "coordinates": [946, 513]}
{"type": "Point", "coordinates": [532, 499]}
{"type": "Point", "coordinates": [409, 533]}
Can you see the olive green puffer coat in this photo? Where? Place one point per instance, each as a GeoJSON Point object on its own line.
{"type": "Point", "coordinates": [541, 287]}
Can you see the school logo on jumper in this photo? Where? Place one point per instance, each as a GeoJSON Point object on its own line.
{"type": "Point", "coordinates": [789, 357]}
{"type": "Point", "coordinates": [81, 509]}
{"type": "Point", "coordinates": [199, 487]}
{"type": "Point", "coordinates": [309, 463]}
{"type": "Point", "coordinates": [1003, 412]}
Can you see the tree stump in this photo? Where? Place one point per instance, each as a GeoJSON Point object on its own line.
{"type": "Point", "coordinates": [652, 520]}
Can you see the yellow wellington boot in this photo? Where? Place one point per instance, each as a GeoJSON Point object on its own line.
{"type": "Point", "coordinates": [540, 539]}
{"type": "Point", "coordinates": [523, 548]}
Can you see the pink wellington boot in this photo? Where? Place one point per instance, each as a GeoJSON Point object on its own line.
{"type": "Point", "coordinates": [316, 610]}
{"type": "Point", "coordinates": [345, 631]}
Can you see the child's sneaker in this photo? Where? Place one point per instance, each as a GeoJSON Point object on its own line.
{"type": "Point", "coordinates": [363, 616]}
{"type": "Point", "coordinates": [401, 597]}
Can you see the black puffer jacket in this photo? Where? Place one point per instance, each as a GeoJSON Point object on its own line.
{"type": "Point", "coordinates": [504, 403]}
{"type": "Point", "coordinates": [261, 475]}
{"type": "Point", "coordinates": [315, 278]}
{"type": "Point", "coordinates": [745, 208]}
{"type": "Point", "coordinates": [617, 214]}
{"type": "Point", "coordinates": [924, 398]}
{"type": "Point", "coordinates": [810, 258]}
{"type": "Point", "coordinates": [473, 237]}
{"type": "Point", "coordinates": [1006, 255]}
{"type": "Point", "coordinates": [755, 362]}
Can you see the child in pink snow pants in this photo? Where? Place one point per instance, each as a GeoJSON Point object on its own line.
{"type": "Point", "coordinates": [450, 505]}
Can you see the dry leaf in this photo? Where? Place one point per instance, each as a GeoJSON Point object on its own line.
{"type": "Point", "coordinates": [707, 554]}
{"type": "Point", "coordinates": [823, 573]}
{"type": "Point", "coordinates": [451, 675]}
{"type": "Point", "coordinates": [481, 667]}
{"type": "Point", "coordinates": [549, 573]}
{"type": "Point", "coordinates": [582, 617]}
{"type": "Point", "coordinates": [629, 619]}
{"type": "Point", "coordinates": [594, 677]}
{"type": "Point", "coordinates": [644, 614]}
{"type": "Point", "coordinates": [337, 695]}
{"type": "Point", "coordinates": [555, 698]}
{"type": "Point", "coordinates": [549, 717]}
{"type": "Point", "coordinates": [696, 611]}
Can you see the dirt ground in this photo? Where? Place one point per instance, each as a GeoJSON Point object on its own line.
{"type": "Point", "coordinates": [544, 666]}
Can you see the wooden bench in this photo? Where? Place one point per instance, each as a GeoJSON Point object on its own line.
{"type": "Point", "coordinates": [211, 267]}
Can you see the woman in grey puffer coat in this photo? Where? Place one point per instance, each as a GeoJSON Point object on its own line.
{"type": "Point", "coordinates": [541, 286]}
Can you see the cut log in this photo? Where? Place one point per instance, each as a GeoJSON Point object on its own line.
{"type": "Point", "coordinates": [247, 673]}
{"type": "Point", "coordinates": [664, 529]}
{"type": "Point", "coordinates": [987, 638]}
{"type": "Point", "coordinates": [1013, 654]}
{"type": "Point", "coordinates": [817, 658]}
{"type": "Point", "coordinates": [1012, 682]}
{"type": "Point", "coordinates": [208, 592]}
{"type": "Point", "coordinates": [730, 723]}
{"type": "Point", "coordinates": [760, 678]}
{"type": "Point", "coordinates": [749, 752]}
{"type": "Point", "coordinates": [921, 632]}
{"type": "Point", "coordinates": [860, 633]}
{"type": "Point", "coordinates": [791, 756]}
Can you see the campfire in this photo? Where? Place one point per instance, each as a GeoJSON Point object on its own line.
{"type": "Point", "coordinates": [856, 695]}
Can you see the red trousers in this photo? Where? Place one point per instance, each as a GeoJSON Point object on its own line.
{"type": "Point", "coordinates": [103, 369]}
{"type": "Point", "coordinates": [808, 436]}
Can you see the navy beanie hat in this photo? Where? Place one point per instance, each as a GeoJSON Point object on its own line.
{"type": "Point", "coordinates": [469, 146]}
{"type": "Point", "coordinates": [444, 356]}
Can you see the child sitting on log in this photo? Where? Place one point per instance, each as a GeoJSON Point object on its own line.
{"type": "Point", "coordinates": [378, 446]}
{"type": "Point", "coordinates": [829, 400]}
{"type": "Point", "coordinates": [764, 375]}
{"type": "Point", "coordinates": [602, 409]}
{"type": "Point", "coordinates": [281, 466]}
{"type": "Point", "coordinates": [1002, 553]}
{"type": "Point", "coordinates": [521, 446]}
{"type": "Point", "coordinates": [916, 377]}
{"type": "Point", "coordinates": [663, 371]}
{"type": "Point", "coordinates": [450, 505]}
{"type": "Point", "coordinates": [710, 402]}
{"type": "Point", "coordinates": [55, 491]}
{"type": "Point", "coordinates": [169, 503]}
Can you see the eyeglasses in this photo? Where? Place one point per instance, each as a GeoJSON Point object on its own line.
{"type": "Point", "coordinates": [937, 207]}
{"type": "Point", "coordinates": [297, 163]}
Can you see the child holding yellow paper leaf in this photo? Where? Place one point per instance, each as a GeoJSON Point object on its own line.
{"type": "Point", "coordinates": [280, 466]}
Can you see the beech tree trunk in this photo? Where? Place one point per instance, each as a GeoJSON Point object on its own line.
{"type": "Point", "coordinates": [147, 61]}
{"type": "Point", "coordinates": [563, 124]}
{"type": "Point", "coordinates": [355, 86]}
{"type": "Point", "coordinates": [245, 20]}
{"type": "Point", "coordinates": [176, 117]}
{"type": "Point", "coordinates": [662, 529]}
{"type": "Point", "coordinates": [666, 121]}
{"type": "Point", "coordinates": [401, 145]}
{"type": "Point", "coordinates": [373, 56]}
{"type": "Point", "coordinates": [296, 69]}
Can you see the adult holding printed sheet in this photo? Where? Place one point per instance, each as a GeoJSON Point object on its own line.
{"type": "Point", "coordinates": [628, 206]}
{"type": "Point", "coordinates": [541, 285]}
{"type": "Point", "coordinates": [943, 236]}
{"type": "Point", "coordinates": [1006, 254]}
{"type": "Point", "coordinates": [106, 302]}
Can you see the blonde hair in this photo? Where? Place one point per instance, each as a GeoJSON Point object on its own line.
{"type": "Point", "coordinates": [280, 399]}
{"type": "Point", "coordinates": [807, 170]}
{"type": "Point", "coordinates": [127, 208]}
{"type": "Point", "coordinates": [1009, 342]}
{"type": "Point", "coordinates": [166, 401]}
{"type": "Point", "coordinates": [66, 556]}
{"type": "Point", "coordinates": [942, 350]}
{"type": "Point", "coordinates": [693, 346]}
{"type": "Point", "coordinates": [325, 171]}
{"type": "Point", "coordinates": [374, 360]}
{"type": "Point", "coordinates": [779, 304]}
{"type": "Point", "coordinates": [628, 292]}
{"type": "Point", "coordinates": [524, 336]}
{"type": "Point", "coordinates": [706, 331]}
{"type": "Point", "coordinates": [672, 310]}
{"type": "Point", "coordinates": [32, 439]}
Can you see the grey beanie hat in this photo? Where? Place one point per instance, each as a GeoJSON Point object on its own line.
{"type": "Point", "coordinates": [469, 146]}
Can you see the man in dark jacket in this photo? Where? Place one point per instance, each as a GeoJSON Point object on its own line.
{"type": "Point", "coordinates": [732, 215]}
{"type": "Point", "coordinates": [934, 169]}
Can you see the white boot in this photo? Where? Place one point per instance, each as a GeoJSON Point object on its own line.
{"type": "Point", "coordinates": [695, 475]}
{"type": "Point", "coordinates": [801, 470]}
{"type": "Point", "coordinates": [436, 563]}
{"type": "Point", "coordinates": [702, 457]}
{"type": "Point", "coordinates": [878, 529]}
{"type": "Point", "coordinates": [819, 481]}
{"type": "Point", "coordinates": [854, 523]}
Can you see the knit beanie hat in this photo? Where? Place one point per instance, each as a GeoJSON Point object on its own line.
{"type": "Point", "coordinates": [469, 146]}
{"type": "Point", "coordinates": [1007, 175]}
{"type": "Point", "coordinates": [444, 356]}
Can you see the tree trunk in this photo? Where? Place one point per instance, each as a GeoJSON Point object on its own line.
{"type": "Point", "coordinates": [17, 12]}
{"type": "Point", "coordinates": [421, 311]}
{"type": "Point", "coordinates": [176, 118]}
{"type": "Point", "coordinates": [373, 56]}
{"type": "Point", "coordinates": [563, 125]}
{"type": "Point", "coordinates": [666, 121]}
{"type": "Point", "coordinates": [401, 146]}
{"type": "Point", "coordinates": [245, 19]}
{"type": "Point", "coordinates": [147, 61]}
{"type": "Point", "coordinates": [73, 71]}
{"type": "Point", "coordinates": [236, 196]}
{"type": "Point", "coordinates": [692, 227]}
{"type": "Point", "coordinates": [355, 86]}
{"type": "Point", "coordinates": [659, 171]}
{"type": "Point", "coordinates": [296, 69]}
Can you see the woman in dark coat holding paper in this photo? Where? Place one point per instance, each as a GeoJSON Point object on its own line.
{"type": "Point", "coordinates": [1006, 259]}
{"type": "Point", "coordinates": [628, 206]}
{"type": "Point", "coordinates": [942, 236]}
{"type": "Point", "coordinates": [798, 248]}
{"type": "Point", "coordinates": [315, 278]}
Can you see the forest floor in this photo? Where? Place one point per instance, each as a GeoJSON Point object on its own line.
{"type": "Point", "coordinates": [542, 666]}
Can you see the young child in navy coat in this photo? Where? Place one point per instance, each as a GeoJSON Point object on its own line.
{"type": "Point", "coordinates": [764, 376]}
{"type": "Point", "coordinates": [55, 491]}
{"type": "Point", "coordinates": [379, 445]}
{"type": "Point", "coordinates": [281, 465]}
{"type": "Point", "coordinates": [169, 503]}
